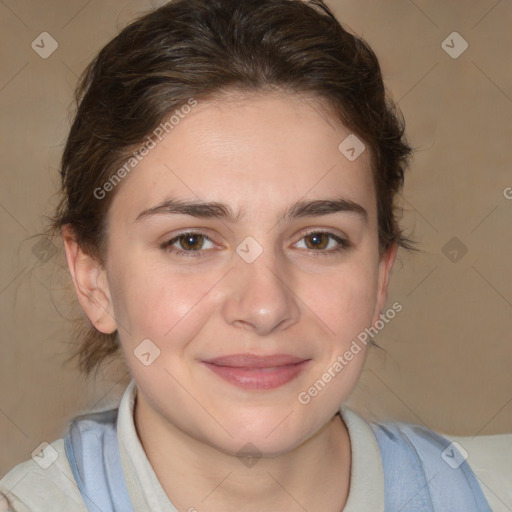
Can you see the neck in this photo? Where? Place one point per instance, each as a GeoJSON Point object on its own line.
{"type": "Point", "coordinates": [315, 476]}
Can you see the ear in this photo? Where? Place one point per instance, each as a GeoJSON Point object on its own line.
{"type": "Point", "coordinates": [385, 265]}
{"type": "Point", "coordinates": [91, 284]}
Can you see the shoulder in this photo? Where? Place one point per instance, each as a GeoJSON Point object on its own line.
{"type": "Point", "coordinates": [428, 467]}
{"type": "Point", "coordinates": [490, 458]}
{"type": "Point", "coordinates": [46, 478]}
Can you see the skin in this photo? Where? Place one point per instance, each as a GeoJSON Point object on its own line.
{"type": "Point", "coordinates": [258, 153]}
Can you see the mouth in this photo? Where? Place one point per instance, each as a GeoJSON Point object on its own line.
{"type": "Point", "coordinates": [255, 372]}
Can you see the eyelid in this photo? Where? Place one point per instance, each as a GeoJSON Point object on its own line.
{"type": "Point", "coordinates": [329, 231]}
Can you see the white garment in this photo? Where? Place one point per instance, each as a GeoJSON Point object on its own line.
{"type": "Point", "coordinates": [366, 481]}
{"type": "Point", "coordinates": [30, 488]}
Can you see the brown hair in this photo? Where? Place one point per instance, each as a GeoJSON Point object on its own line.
{"type": "Point", "coordinates": [196, 49]}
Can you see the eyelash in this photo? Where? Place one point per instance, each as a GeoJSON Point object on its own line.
{"type": "Point", "coordinates": [343, 245]}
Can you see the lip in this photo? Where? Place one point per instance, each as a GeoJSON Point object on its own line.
{"type": "Point", "coordinates": [257, 372]}
{"type": "Point", "coordinates": [255, 360]}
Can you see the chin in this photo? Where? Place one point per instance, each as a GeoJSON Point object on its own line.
{"type": "Point", "coordinates": [255, 446]}
{"type": "Point", "coordinates": [270, 435]}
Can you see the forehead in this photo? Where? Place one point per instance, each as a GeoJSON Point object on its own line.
{"type": "Point", "coordinates": [252, 151]}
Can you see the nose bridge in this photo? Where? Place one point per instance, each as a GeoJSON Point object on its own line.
{"type": "Point", "coordinates": [260, 293]}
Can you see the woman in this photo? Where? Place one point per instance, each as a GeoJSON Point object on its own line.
{"type": "Point", "coordinates": [230, 225]}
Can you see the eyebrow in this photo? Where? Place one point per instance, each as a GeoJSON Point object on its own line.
{"type": "Point", "coordinates": [223, 211]}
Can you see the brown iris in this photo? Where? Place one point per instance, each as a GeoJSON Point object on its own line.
{"type": "Point", "coordinates": [191, 241]}
{"type": "Point", "coordinates": [317, 237]}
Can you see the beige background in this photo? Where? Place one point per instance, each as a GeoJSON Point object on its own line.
{"type": "Point", "coordinates": [448, 353]}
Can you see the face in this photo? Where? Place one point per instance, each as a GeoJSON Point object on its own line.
{"type": "Point", "coordinates": [295, 284]}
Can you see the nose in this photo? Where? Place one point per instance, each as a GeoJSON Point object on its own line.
{"type": "Point", "coordinates": [260, 296]}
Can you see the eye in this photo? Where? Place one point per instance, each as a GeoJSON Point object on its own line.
{"type": "Point", "coordinates": [191, 242]}
{"type": "Point", "coordinates": [318, 241]}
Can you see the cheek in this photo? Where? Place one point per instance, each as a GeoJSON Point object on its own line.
{"type": "Point", "coordinates": [343, 304]}
{"type": "Point", "coordinates": [161, 305]}
{"type": "Point", "coordinates": [343, 301]}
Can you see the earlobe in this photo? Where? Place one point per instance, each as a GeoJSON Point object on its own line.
{"type": "Point", "coordinates": [91, 284]}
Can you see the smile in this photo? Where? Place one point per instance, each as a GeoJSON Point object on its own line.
{"type": "Point", "coordinates": [253, 372]}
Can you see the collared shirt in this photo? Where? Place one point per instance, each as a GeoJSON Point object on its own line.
{"type": "Point", "coordinates": [31, 488]}
{"type": "Point", "coordinates": [366, 490]}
